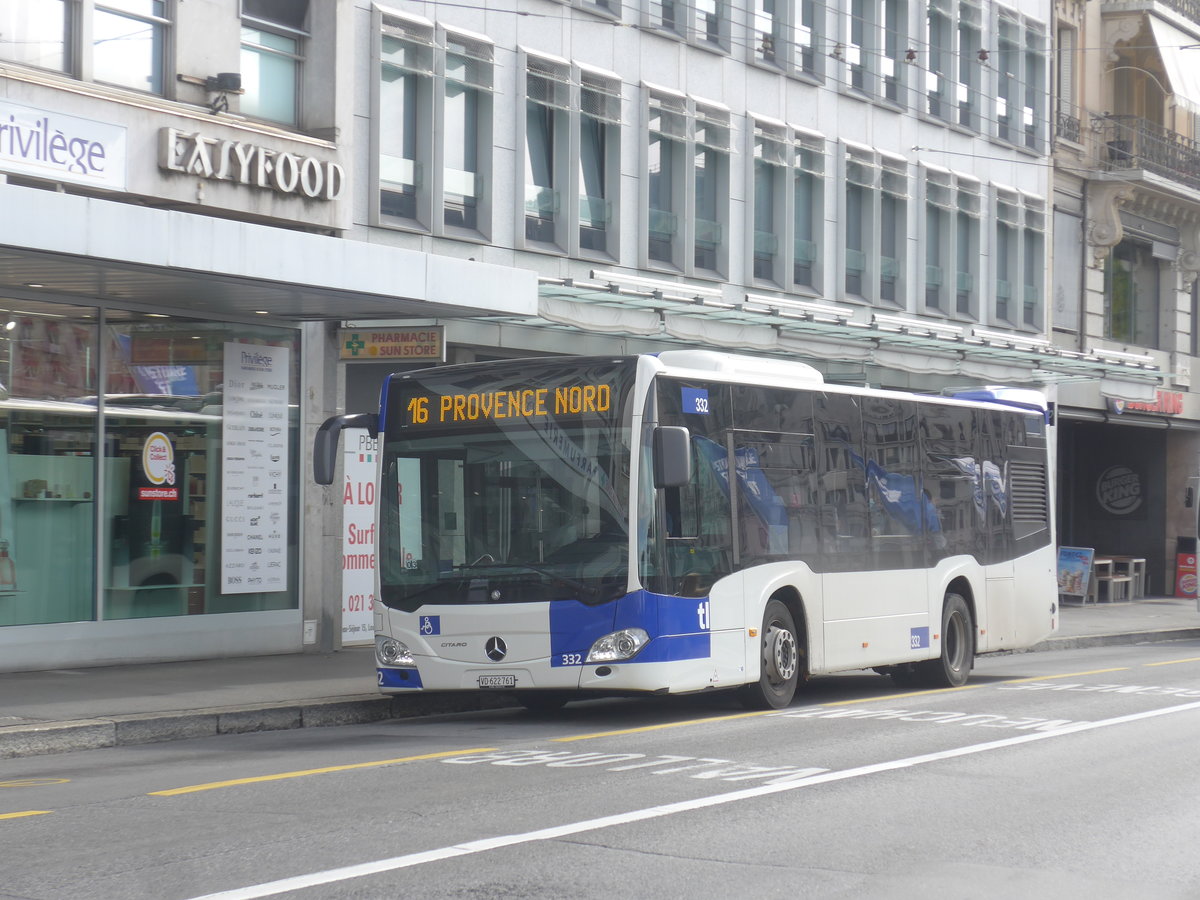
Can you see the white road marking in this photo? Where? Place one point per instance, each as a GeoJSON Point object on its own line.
{"type": "Point", "coordinates": [468, 848]}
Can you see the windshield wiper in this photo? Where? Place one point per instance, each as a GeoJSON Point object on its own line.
{"type": "Point", "coordinates": [546, 573]}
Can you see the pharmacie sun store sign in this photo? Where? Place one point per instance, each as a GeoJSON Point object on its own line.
{"type": "Point", "coordinates": [241, 162]}
{"type": "Point", "coordinates": [46, 144]}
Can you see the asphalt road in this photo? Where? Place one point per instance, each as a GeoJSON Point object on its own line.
{"type": "Point", "coordinates": [1062, 774]}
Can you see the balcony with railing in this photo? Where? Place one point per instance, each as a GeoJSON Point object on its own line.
{"type": "Point", "coordinates": [1131, 142]}
{"type": "Point", "coordinates": [1066, 122]}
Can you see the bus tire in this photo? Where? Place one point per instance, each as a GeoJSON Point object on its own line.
{"type": "Point", "coordinates": [953, 666]}
{"type": "Point", "coordinates": [543, 701]}
{"type": "Point", "coordinates": [781, 660]}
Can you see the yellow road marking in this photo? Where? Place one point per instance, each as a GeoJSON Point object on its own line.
{"type": "Point", "coordinates": [280, 776]}
{"type": "Point", "coordinates": [644, 728]}
{"type": "Point", "coordinates": [971, 687]}
{"type": "Point", "coordinates": [33, 782]}
{"type": "Point", "coordinates": [1171, 662]}
{"type": "Point", "coordinates": [28, 812]}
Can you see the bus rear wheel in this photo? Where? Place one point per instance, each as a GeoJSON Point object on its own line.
{"type": "Point", "coordinates": [781, 659]}
{"type": "Point", "coordinates": [953, 667]}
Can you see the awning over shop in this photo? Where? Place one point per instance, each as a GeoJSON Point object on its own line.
{"type": "Point", "coordinates": [616, 303]}
{"type": "Point", "coordinates": [1180, 54]}
{"type": "Point", "coordinates": [59, 245]}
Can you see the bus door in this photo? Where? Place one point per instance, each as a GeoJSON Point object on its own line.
{"type": "Point", "coordinates": [873, 519]}
{"type": "Point", "coordinates": [698, 524]}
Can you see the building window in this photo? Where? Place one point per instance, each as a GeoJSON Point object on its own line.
{"type": "Point", "coordinates": [547, 101]}
{"type": "Point", "coordinates": [687, 184]}
{"type": "Point", "coordinates": [770, 174]}
{"type": "Point", "coordinates": [1132, 294]}
{"type": "Point", "coordinates": [665, 188]}
{"type": "Point", "coordinates": [789, 166]}
{"type": "Point", "coordinates": [967, 86]}
{"type": "Point", "coordinates": [598, 185]}
{"type": "Point", "coordinates": [405, 121]}
{"type": "Point", "coordinates": [572, 149]}
{"type": "Point", "coordinates": [701, 22]}
{"type": "Point", "coordinates": [939, 31]}
{"type": "Point", "coordinates": [467, 138]}
{"type": "Point", "coordinates": [1021, 81]}
{"type": "Point", "coordinates": [126, 39]}
{"type": "Point", "coordinates": [711, 178]}
{"type": "Point", "coordinates": [952, 208]}
{"type": "Point", "coordinates": [273, 35]}
{"type": "Point", "coordinates": [875, 43]}
{"type": "Point", "coordinates": [808, 201]}
{"type": "Point", "coordinates": [433, 128]}
{"type": "Point", "coordinates": [1019, 260]}
{"type": "Point", "coordinates": [128, 43]}
{"type": "Point", "coordinates": [787, 34]}
{"type": "Point", "coordinates": [36, 33]}
{"type": "Point", "coordinates": [876, 217]}
{"type": "Point", "coordinates": [1066, 114]}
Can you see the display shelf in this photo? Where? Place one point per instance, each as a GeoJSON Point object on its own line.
{"type": "Point", "coordinates": [53, 499]}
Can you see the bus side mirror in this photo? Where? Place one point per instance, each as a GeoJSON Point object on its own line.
{"type": "Point", "coordinates": [672, 456]}
{"type": "Point", "coordinates": [325, 445]}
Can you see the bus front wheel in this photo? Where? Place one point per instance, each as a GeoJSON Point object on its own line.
{"type": "Point", "coordinates": [952, 668]}
{"type": "Point", "coordinates": [781, 658]}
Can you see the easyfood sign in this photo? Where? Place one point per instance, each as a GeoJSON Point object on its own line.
{"type": "Point", "coordinates": [51, 145]}
{"type": "Point", "coordinates": [249, 164]}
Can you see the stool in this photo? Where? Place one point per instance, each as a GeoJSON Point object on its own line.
{"type": "Point", "coordinates": [1118, 587]}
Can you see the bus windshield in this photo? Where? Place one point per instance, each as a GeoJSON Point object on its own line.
{"type": "Point", "coordinates": [506, 487]}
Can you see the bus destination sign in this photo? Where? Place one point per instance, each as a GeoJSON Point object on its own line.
{"type": "Point", "coordinates": [513, 403]}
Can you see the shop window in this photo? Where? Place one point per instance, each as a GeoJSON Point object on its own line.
{"type": "Point", "coordinates": [48, 421]}
{"type": "Point", "coordinates": [192, 493]}
{"type": "Point", "coordinates": [200, 468]}
{"type": "Point", "coordinates": [273, 35]}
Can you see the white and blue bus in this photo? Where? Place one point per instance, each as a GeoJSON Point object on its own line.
{"type": "Point", "coordinates": [691, 521]}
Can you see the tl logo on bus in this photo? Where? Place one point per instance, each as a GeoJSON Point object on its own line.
{"type": "Point", "coordinates": [702, 619]}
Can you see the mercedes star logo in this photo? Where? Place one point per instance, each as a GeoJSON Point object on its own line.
{"type": "Point", "coordinates": [495, 649]}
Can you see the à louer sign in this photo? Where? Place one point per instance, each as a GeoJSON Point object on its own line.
{"type": "Point", "coordinates": [239, 162]}
{"type": "Point", "coordinates": [51, 145]}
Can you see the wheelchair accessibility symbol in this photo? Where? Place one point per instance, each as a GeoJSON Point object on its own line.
{"type": "Point", "coordinates": [431, 625]}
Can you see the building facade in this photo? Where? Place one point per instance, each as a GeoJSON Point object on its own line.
{"type": "Point", "coordinates": [208, 207]}
{"type": "Point", "coordinates": [1126, 256]}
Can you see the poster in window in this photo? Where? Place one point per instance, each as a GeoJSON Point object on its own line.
{"type": "Point", "coordinates": [254, 469]}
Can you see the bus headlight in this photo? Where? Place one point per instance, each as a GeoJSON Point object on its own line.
{"type": "Point", "coordinates": [391, 652]}
{"type": "Point", "coordinates": [623, 644]}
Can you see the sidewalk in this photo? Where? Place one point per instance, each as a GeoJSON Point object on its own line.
{"type": "Point", "coordinates": [79, 709]}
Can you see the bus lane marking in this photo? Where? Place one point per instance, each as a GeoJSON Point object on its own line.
{"type": "Point", "coordinates": [302, 773]}
{"type": "Point", "coordinates": [469, 848]}
{"type": "Point", "coordinates": [1077, 687]}
{"type": "Point", "coordinates": [703, 768]}
{"type": "Point", "coordinates": [985, 720]}
{"type": "Point", "coordinates": [28, 812]}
